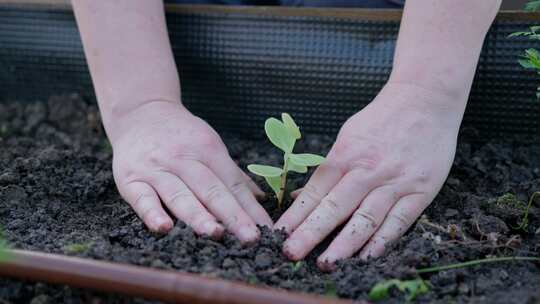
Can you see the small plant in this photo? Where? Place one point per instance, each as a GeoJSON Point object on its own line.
{"type": "Point", "coordinates": [296, 266]}
{"type": "Point", "coordinates": [477, 262]}
{"type": "Point", "coordinates": [525, 220]}
{"type": "Point", "coordinates": [283, 134]}
{"type": "Point", "coordinates": [330, 289]}
{"type": "Point", "coordinates": [4, 253]}
{"type": "Point", "coordinates": [78, 247]}
{"type": "Point", "coordinates": [531, 58]}
{"type": "Point", "coordinates": [411, 289]}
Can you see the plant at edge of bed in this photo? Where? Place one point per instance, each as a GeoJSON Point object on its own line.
{"type": "Point", "coordinates": [531, 58]}
{"type": "Point", "coordinates": [4, 253]}
{"type": "Point", "coordinates": [283, 134]}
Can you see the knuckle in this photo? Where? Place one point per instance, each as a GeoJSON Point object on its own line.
{"type": "Point", "coordinates": [231, 222]}
{"type": "Point", "coordinates": [367, 216]}
{"type": "Point", "coordinates": [198, 218]}
{"type": "Point", "coordinates": [403, 219]}
{"type": "Point", "coordinates": [214, 193]}
{"type": "Point", "coordinates": [332, 208]}
{"type": "Point", "coordinates": [178, 196]}
{"type": "Point", "coordinates": [312, 192]}
{"type": "Point", "coordinates": [367, 162]}
{"type": "Point", "coordinates": [238, 187]}
{"type": "Point", "coordinates": [141, 204]}
{"type": "Point", "coordinates": [183, 153]}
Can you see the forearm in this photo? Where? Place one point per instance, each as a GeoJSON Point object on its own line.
{"type": "Point", "coordinates": [129, 54]}
{"type": "Point", "coordinates": [440, 42]}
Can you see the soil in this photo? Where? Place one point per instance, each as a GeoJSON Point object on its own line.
{"type": "Point", "coordinates": [57, 195]}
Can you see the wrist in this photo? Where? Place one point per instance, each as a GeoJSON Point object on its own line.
{"type": "Point", "coordinates": [444, 83]}
{"type": "Point", "coordinates": [127, 118]}
{"type": "Point", "coordinates": [409, 97]}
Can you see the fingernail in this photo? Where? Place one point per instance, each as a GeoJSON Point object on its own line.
{"type": "Point", "coordinates": [291, 248]}
{"type": "Point", "coordinates": [162, 224]}
{"type": "Point", "coordinates": [213, 230]}
{"type": "Point", "coordinates": [326, 264]}
{"type": "Point", "coordinates": [248, 234]}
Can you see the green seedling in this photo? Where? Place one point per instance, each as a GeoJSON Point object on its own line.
{"type": "Point", "coordinates": [531, 58]}
{"type": "Point", "coordinates": [4, 253]}
{"type": "Point", "coordinates": [476, 262]}
{"type": "Point", "coordinates": [296, 266]}
{"type": "Point", "coordinates": [411, 289]}
{"type": "Point", "coordinates": [330, 289]}
{"type": "Point", "coordinates": [283, 134]}
{"type": "Point", "coordinates": [532, 6]}
{"type": "Point", "coordinates": [525, 220]}
{"type": "Point", "coordinates": [78, 247]}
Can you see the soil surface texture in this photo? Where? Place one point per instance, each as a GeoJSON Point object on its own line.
{"type": "Point", "coordinates": [57, 195]}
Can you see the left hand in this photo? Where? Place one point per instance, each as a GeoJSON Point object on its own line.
{"type": "Point", "coordinates": [388, 163]}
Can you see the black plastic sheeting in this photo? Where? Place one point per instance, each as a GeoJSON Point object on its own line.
{"type": "Point", "coordinates": [237, 69]}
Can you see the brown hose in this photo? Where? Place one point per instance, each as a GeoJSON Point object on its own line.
{"type": "Point", "coordinates": [164, 285]}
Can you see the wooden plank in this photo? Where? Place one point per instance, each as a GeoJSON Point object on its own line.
{"type": "Point", "coordinates": [276, 11]}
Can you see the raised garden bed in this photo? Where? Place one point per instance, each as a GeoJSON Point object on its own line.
{"type": "Point", "coordinates": [57, 195]}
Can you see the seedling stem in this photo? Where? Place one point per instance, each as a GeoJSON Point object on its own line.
{"type": "Point", "coordinates": [475, 262]}
{"type": "Point", "coordinates": [283, 134]}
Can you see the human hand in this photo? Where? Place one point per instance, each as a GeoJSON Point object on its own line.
{"type": "Point", "coordinates": [163, 153]}
{"type": "Point", "coordinates": [388, 163]}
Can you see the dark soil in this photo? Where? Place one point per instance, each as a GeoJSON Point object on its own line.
{"type": "Point", "coordinates": [57, 195]}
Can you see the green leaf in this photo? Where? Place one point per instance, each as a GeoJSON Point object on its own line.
{"type": "Point", "coordinates": [330, 289]}
{"type": "Point", "coordinates": [532, 6]}
{"type": "Point", "coordinates": [296, 266]}
{"type": "Point", "coordinates": [274, 182]}
{"type": "Point", "coordinates": [279, 134]}
{"type": "Point", "coordinates": [411, 289]}
{"type": "Point", "coordinates": [291, 125]}
{"type": "Point", "coordinates": [526, 63]}
{"type": "Point", "coordinates": [532, 53]}
{"type": "Point", "coordinates": [297, 168]}
{"type": "Point", "coordinates": [380, 290]}
{"type": "Point", "coordinates": [306, 159]}
{"type": "Point", "coordinates": [517, 34]}
{"type": "Point", "coordinates": [535, 29]}
{"type": "Point", "coordinates": [266, 171]}
{"type": "Point", "coordinates": [4, 253]}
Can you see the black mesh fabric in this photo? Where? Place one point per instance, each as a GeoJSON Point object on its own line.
{"type": "Point", "coordinates": [238, 68]}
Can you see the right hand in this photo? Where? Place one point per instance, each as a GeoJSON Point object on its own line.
{"type": "Point", "coordinates": [163, 153]}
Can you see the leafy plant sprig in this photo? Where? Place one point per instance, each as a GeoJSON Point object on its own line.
{"type": "Point", "coordinates": [411, 289]}
{"type": "Point", "coordinates": [283, 134]}
{"type": "Point", "coordinates": [531, 58]}
{"type": "Point", "coordinates": [4, 253]}
{"type": "Point", "coordinates": [416, 287]}
{"type": "Point", "coordinates": [532, 6]}
{"type": "Point", "coordinates": [525, 220]}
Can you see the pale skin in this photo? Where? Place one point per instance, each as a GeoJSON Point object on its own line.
{"type": "Point", "coordinates": [388, 163]}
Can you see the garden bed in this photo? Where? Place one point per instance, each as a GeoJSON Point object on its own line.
{"type": "Point", "coordinates": [57, 195]}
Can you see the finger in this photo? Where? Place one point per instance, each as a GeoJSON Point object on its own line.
{"type": "Point", "coordinates": [144, 200]}
{"type": "Point", "coordinates": [253, 187]}
{"type": "Point", "coordinates": [227, 171]}
{"type": "Point", "coordinates": [361, 226]}
{"type": "Point", "coordinates": [397, 222]}
{"type": "Point", "coordinates": [296, 193]}
{"type": "Point", "coordinates": [185, 206]}
{"type": "Point", "coordinates": [334, 209]}
{"type": "Point", "coordinates": [215, 196]}
{"type": "Point", "coordinates": [324, 178]}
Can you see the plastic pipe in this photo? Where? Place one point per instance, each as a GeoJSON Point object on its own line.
{"type": "Point", "coordinates": [164, 285]}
